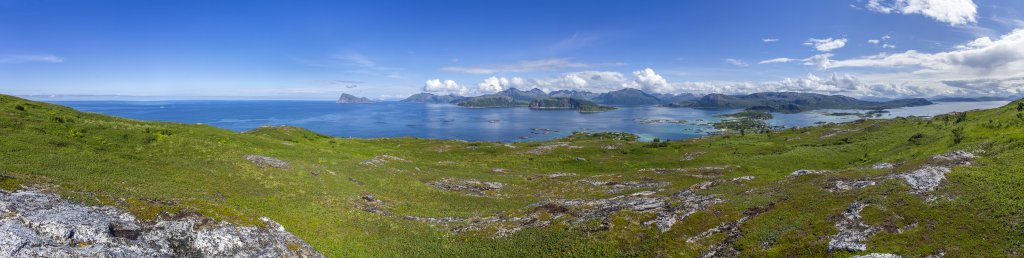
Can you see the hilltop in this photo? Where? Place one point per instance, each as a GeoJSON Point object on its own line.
{"type": "Point", "coordinates": [350, 99]}
{"type": "Point", "coordinates": [947, 185]}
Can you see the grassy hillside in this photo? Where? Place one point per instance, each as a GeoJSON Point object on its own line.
{"type": "Point", "coordinates": [374, 197]}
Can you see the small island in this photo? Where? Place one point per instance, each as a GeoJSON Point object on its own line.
{"type": "Point", "coordinates": [568, 103]}
{"type": "Point", "coordinates": [761, 115]}
{"type": "Point", "coordinates": [349, 99]}
{"type": "Point", "coordinates": [743, 122]}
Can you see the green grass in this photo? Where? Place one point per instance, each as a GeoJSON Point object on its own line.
{"type": "Point", "coordinates": [150, 168]}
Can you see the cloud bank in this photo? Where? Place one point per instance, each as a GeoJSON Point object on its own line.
{"type": "Point", "coordinates": [953, 12]}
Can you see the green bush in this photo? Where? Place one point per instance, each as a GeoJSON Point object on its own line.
{"type": "Point", "coordinates": [958, 135]}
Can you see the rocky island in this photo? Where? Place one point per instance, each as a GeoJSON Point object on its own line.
{"type": "Point", "coordinates": [350, 99]}
{"type": "Point", "coordinates": [568, 103]}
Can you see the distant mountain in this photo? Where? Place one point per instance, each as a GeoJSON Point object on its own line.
{"type": "Point", "coordinates": [492, 102]}
{"type": "Point", "coordinates": [670, 98]}
{"type": "Point", "coordinates": [627, 97]}
{"type": "Point", "coordinates": [585, 95]}
{"type": "Point", "coordinates": [568, 103]}
{"type": "Point", "coordinates": [507, 98]}
{"type": "Point", "coordinates": [964, 99]}
{"type": "Point", "coordinates": [793, 102]}
{"type": "Point", "coordinates": [433, 98]}
{"type": "Point", "coordinates": [349, 99]}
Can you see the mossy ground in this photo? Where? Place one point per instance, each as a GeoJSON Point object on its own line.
{"type": "Point", "coordinates": [151, 168]}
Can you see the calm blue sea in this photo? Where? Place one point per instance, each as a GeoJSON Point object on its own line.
{"type": "Point", "coordinates": [396, 119]}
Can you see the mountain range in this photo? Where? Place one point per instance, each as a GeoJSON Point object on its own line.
{"type": "Point", "coordinates": [794, 102]}
{"type": "Point", "coordinates": [518, 98]}
{"type": "Point", "coordinates": [784, 102]}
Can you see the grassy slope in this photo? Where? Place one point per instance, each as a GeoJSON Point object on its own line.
{"type": "Point", "coordinates": [153, 167]}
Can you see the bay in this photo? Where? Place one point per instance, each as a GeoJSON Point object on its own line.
{"type": "Point", "coordinates": [442, 121]}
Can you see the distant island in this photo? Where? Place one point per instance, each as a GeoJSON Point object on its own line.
{"type": "Point", "coordinates": [793, 102]}
{"type": "Point", "coordinates": [568, 103]}
{"type": "Point", "coordinates": [433, 98]}
{"type": "Point", "coordinates": [349, 99]}
{"type": "Point", "coordinates": [976, 99]}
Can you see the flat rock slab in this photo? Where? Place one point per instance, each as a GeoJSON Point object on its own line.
{"type": "Point", "coordinates": [34, 223]}
{"type": "Point", "coordinates": [381, 159]}
{"type": "Point", "coordinates": [471, 187]}
{"type": "Point", "coordinates": [264, 161]}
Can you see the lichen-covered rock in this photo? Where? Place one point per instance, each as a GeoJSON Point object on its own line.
{"type": "Point", "coordinates": [928, 177]}
{"type": "Point", "coordinates": [544, 149]}
{"type": "Point", "coordinates": [616, 187]}
{"type": "Point", "coordinates": [852, 231]}
{"type": "Point", "coordinates": [806, 172]}
{"type": "Point", "coordinates": [883, 166]}
{"type": "Point", "coordinates": [925, 179]}
{"type": "Point", "coordinates": [264, 161]}
{"type": "Point", "coordinates": [470, 187]}
{"type": "Point", "coordinates": [380, 160]}
{"type": "Point", "coordinates": [38, 224]}
{"type": "Point", "coordinates": [878, 255]}
{"type": "Point", "coordinates": [841, 185]}
{"type": "Point", "coordinates": [958, 158]}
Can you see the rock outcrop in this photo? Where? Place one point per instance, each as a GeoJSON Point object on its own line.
{"type": "Point", "coordinates": [264, 161]}
{"type": "Point", "coordinates": [34, 223]}
{"type": "Point", "coordinates": [381, 159]}
{"type": "Point", "coordinates": [852, 231]}
{"type": "Point", "coordinates": [470, 187]}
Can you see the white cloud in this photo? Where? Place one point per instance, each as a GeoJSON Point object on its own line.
{"type": "Point", "coordinates": [981, 57]}
{"type": "Point", "coordinates": [649, 81]}
{"type": "Point", "coordinates": [769, 40]}
{"type": "Point", "coordinates": [826, 45]}
{"type": "Point", "coordinates": [354, 58]}
{"type": "Point", "coordinates": [593, 81]}
{"type": "Point", "coordinates": [575, 41]}
{"type": "Point", "coordinates": [988, 87]}
{"type": "Point", "coordinates": [821, 61]}
{"type": "Point", "coordinates": [496, 84]}
{"type": "Point", "coordinates": [884, 41]}
{"type": "Point", "coordinates": [953, 12]}
{"type": "Point", "coordinates": [550, 64]}
{"type": "Point", "coordinates": [836, 84]}
{"type": "Point", "coordinates": [778, 60]}
{"type": "Point", "coordinates": [445, 87]}
{"type": "Point", "coordinates": [19, 59]}
{"type": "Point", "coordinates": [736, 62]}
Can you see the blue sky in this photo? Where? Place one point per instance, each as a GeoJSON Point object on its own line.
{"type": "Point", "coordinates": [390, 49]}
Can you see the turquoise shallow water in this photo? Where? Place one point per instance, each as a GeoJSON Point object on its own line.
{"type": "Point", "coordinates": [396, 119]}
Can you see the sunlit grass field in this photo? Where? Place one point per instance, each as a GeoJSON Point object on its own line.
{"type": "Point", "coordinates": [151, 168]}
